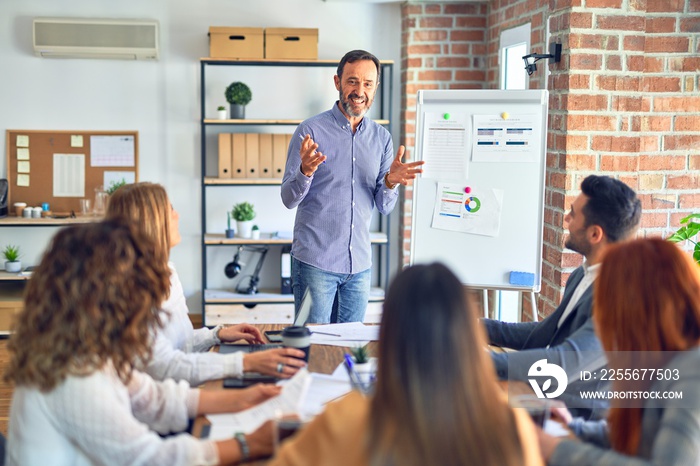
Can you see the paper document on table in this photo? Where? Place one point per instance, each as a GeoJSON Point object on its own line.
{"type": "Point", "coordinates": [224, 426]}
{"type": "Point", "coordinates": [346, 334]}
{"type": "Point", "coordinates": [555, 429]}
{"type": "Point", "coordinates": [323, 389]}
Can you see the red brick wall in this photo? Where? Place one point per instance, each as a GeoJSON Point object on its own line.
{"type": "Point", "coordinates": [624, 101]}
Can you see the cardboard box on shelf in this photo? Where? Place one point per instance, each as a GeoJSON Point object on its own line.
{"type": "Point", "coordinates": [235, 42]}
{"type": "Point", "coordinates": [292, 44]}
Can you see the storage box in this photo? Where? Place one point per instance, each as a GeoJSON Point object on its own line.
{"type": "Point", "coordinates": [229, 42]}
{"type": "Point", "coordinates": [296, 44]}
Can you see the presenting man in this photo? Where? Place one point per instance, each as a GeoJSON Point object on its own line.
{"type": "Point", "coordinates": [606, 211]}
{"type": "Point", "coordinates": [339, 166]}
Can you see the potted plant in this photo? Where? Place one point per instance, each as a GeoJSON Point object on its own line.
{"type": "Point", "coordinates": [238, 95]}
{"type": "Point", "coordinates": [229, 231]}
{"type": "Point", "coordinates": [114, 185]}
{"type": "Point", "coordinates": [221, 110]}
{"type": "Point", "coordinates": [255, 232]}
{"type": "Point", "coordinates": [687, 233]}
{"type": "Point", "coordinates": [244, 213]}
{"type": "Point", "coordinates": [363, 364]}
{"type": "Point", "coordinates": [12, 255]}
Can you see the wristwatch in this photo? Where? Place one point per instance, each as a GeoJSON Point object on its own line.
{"type": "Point", "coordinates": [243, 443]}
{"type": "Point", "coordinates": [386, 182]}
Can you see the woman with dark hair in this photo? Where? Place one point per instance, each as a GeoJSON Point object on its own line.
{"type": "Point", "coordinates": [646, 308]}
{"type": "Point", "coordinates": [436, 399]}
{"type": "Point", "coordinates": [89, 311]}
{"type": "Point", "coordinates": [181, 352]}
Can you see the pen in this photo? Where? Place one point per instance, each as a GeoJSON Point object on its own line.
{"type": "Point", "coordinates": [354, 381]}
{"type": "Point", "coordinates": [324, 333]}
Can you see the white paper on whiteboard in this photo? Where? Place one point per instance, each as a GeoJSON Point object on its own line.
{"type": "Point", "coordinates": [68, 175]}
{"type": "Point", "coordinates": [112, 151]}
{"type": "Point", "coordinates": [477, 212]}
{"type": "Point", "coordinates": [113, 177]}
{"type": "Point", "coordinates": [445, 146]}
{"type": "Point", "coordinates": [504, 140]}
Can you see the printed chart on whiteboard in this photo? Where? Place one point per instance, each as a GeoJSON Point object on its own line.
{"type": "Point", "coordinates": [468, 209]}
{"type": "Point", "coordinates": [503, 138]}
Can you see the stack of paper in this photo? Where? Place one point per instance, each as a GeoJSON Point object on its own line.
{"type": "Point", "coordinates": [224, 426]}
{"type": "Point", "coordinates": [347, 334]}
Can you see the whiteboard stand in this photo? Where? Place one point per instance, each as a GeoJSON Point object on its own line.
{"type": "Point", "coordinates": [533, 304]}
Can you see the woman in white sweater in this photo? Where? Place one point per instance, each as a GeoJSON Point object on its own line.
{"type": "Point", "coordinates": [88, 314]}
{"type": "Point", "coordinates": [181, 352]}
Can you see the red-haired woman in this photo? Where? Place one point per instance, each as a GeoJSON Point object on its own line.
{"type": "Point", "coordinates": [647, 307]}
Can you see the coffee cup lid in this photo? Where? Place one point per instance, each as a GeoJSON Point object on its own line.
{"type": "Point", "coordinates": [296, 331]}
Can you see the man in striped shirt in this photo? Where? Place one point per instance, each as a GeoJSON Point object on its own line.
{"type": "Point", "coordinates": [339, 166]}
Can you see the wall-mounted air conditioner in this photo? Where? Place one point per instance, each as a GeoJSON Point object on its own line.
{"type": "Point", "coordinates": [96, 38]}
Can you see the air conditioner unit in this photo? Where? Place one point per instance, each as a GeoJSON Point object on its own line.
{"type": "Point", "coordinates": [96, 38]}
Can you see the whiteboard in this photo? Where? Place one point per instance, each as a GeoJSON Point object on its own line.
{"type": "Point", "coordinates": [478, 207]}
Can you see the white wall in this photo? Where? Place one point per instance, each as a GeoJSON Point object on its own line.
{"type": "Point", "coordinates": [160, 99]}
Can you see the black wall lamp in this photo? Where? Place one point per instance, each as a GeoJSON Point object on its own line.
{"type": "Point", "coordinates": [532, 59]}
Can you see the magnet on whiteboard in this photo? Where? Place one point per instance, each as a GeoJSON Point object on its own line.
{"type": "Point", "coordinates": [446, 116]}
{"type": "Point", "coordinates": [504, 115]}
{"type": "Point", "coordinates": [467, 190]}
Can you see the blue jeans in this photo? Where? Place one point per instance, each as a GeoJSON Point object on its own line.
{"type": "Point", "coordinates": [344, 294]}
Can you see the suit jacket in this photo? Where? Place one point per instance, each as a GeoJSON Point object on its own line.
{"type": "Point", "coordinates": [574, 346]}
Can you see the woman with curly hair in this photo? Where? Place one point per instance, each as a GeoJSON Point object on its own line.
{"type": "Point", "coordinates": [180, 351]}
{"type": "Point", "coordinates": [89, 311]}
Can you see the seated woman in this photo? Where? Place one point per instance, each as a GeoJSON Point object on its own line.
{"type": "Point", "coordinates": [180, 351]}
{"type": "Point", "coordinates": [436, 399]}
{"type": "Point", "coordinates": [647, 301]}
{"type": "Point", "coordinates": [88, 314]}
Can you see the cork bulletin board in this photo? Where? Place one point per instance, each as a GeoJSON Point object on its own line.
{"type": "Point", "coordinates": [62, 167]}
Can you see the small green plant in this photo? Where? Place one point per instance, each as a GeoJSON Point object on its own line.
{"type": "Point", "coordinates": [114, 185]}
{"type": "Point", "coordinates": [243, 212]}
{"type": "Point", "coordinates": [11, 253]}
{"type": "Point", "coordinates": [221, 108]}
{"type": "Point", "coordinates": [687, 232]}
{"type": "Point", "coordinates": [238, 93]}
{"type": "Point", "coordinates": [255, 228]}
{"type": "Point", "coordinates": [360, 354]}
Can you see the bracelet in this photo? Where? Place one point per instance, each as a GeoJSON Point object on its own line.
{"type": "Point", "coordinates": [243, 443]}
{"type": "Point", "coordinates": [386, 182]}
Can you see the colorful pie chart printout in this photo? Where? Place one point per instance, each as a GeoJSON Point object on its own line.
{"type": "Point", "coordinates": [468, 208]}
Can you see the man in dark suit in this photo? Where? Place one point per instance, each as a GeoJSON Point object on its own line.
{"type": "Point", "coordinates": [606, 211]}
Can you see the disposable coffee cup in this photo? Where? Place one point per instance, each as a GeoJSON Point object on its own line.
{"type": "Point", "coordinates": [19, 207]}
{"type": "Point", "coordinates": [297, 337]}
{"type": "Point", "coordinates": [27, 212]}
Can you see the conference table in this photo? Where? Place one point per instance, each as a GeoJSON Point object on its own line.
{"type": "Point", "coordinates": [322, 358]}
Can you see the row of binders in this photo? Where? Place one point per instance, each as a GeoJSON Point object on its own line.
{"type": "Point", "coordinates": [252, 155]}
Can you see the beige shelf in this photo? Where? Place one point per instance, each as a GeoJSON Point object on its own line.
{"type": "Point", "coordinates": [270, 61]}
{"type": "Point", "coordinates": [13, 277]}
{"type": "Point", "coordinates": [266, 296]}
{"type": "Point", "coordinates": [270, 238]}
{"type": "Point", "coordinates": [241, 181]}
{"type": "Point", "coordinates": [21, 221]}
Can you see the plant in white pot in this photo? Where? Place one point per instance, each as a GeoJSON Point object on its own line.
{"type": "Point", "coordinates": [221, 111]}
{"type": "Point", "coordinates": [244, 213]}
{"type": "Point", "coordinates": [255, 233]}
{"type": "Point", "coordinates": [363, 365]}
{"type": "Point", "coordinates": [12, 262]}
{"type": "Point", "coordinates": [238, 95]}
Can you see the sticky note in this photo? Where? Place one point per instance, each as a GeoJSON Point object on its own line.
{"type": "Point", "coordinates": [22, 141]}
{"type": "Point", "coordinates": [22, 180]}
{"type": "Point", "coordinates": [76, 140]}
{"type": "Point", "coordinates": [522, 278]}
{"type": "Point", "coordinates": [22, 153]}
{"type": "Point", "coordinates": [22, 167]}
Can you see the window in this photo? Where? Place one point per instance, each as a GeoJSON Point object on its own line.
{"type": "Point", "coordinates": [515, 43]}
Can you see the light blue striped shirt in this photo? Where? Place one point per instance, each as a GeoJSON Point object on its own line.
{"type": "Point", "coordinates": [334, 205]}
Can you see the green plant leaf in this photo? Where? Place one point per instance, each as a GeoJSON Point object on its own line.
{"type": "Point", "coordinates": [11, 253]}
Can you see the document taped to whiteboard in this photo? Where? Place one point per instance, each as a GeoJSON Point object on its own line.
{"type": "Point", "coordinates": [468, 208]}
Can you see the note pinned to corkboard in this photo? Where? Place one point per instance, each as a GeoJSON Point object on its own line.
{"type": "Point", "coordinates": [62, 167]}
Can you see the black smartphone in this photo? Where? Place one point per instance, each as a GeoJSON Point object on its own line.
{"type": "Point", "coordinates": [273, 336]}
